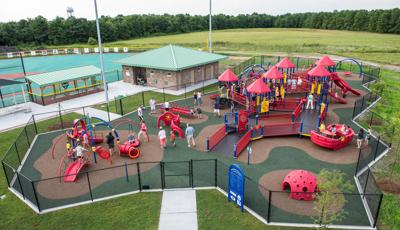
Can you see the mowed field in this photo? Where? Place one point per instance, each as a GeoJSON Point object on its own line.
{"type": "Point", "coordinates": [381, 48]}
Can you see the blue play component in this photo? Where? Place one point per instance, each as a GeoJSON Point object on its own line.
{"type": "Point", "coordinates": [351, 59]}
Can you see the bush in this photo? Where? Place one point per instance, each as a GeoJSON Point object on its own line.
{"type": "Point", "coordinates": [92, 41]}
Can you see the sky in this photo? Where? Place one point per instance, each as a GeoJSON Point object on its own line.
{"type": "Point", "coordinates": [15, 10]}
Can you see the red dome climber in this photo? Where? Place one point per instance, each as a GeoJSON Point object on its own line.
{"type": "Point", "coordinates": [301, 184]}
{"type": "Point", "coordinates": [325, 61]}
{"type": "Point", "coordinates": [258, 87]}
{"type": "Point", "coordinates": [285, 63]}
{"type": "Point", "coordinates": [228, 76]}
{"type": "Point", "coordinates": [273, 73]}
{"type": "Point", "coordinates": [319, 71]}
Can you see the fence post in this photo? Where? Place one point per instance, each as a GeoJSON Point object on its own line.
{"type": "Point", "coordinates": [162, 175]}
{"type": "Point", "coordinates": [20, 185]}
{"type": "Point", "coordinates": [358, 162]}
{"type": "Point", "coordinates": [269, 206]}
{"type": "Point", "coordinates": [372, 116]}
{"type": "Point", "coordinates": [163, 91]}
{"type": "Point", "coordinates": [139, 177]}
{"type": "Point", "coordinates": [5, 174]}
{"type": "Point", "coordinates": [83, 110]}
{"type": "Point", "coordinates": [216, 173]}
{"type": "Point", "coordinates": [354, 109]}
{"type": "Point", "coordinates": [143, 99]}
{"type": "Point", "coordinates": [120, 106]}
{"type": "Point", "coordinates": [16, 149]}
{"type": "Point", "coordinates": [108, 112]}
{"type": "Point", "coordinates": [61, 120]}
{"type": "Point", "coordinates": [185, 91]}
{"type": "Point", "coordinates": [27, 138]}
{"type": "Point", "coordinates": [366, 182]}
{"type": "Point", "coordinates": [90, 187]}
{"type": "Point", "coordinates": [126, 172]}
{"type": "Point", "coordinates": [36, 197]}
{"type": "Point", "coordinates": [377, 212]}
{"type": "Point", "coordinates": [34, 123]}
{"type": "Point", "coordinates": [191, 173]}
{"type": "Point", "coordinates": [362, 103]}
{"type": "Point", "coordinates": [377, 146]}
{"type": "Point", "coordinates": [203, 86]}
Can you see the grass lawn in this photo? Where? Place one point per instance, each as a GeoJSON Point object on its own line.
{"type": "Point", "coordinates": [214, 212]}
{"type": "Point", "coordinates": [382, 48]}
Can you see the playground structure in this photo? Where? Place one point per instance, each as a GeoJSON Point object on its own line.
{"type": "Point", "coordinates": [171, 120]}
{"type": "Point", "coordinates": [269, 113]}
{"type": "Point", "coordinates": [179, 109]}
{"type": "Point", "coordinates": [334, 141]}
{"type": "Point", "coordinates": [301, 184]}
{"type": "Point", "coordinates": [84, 127]}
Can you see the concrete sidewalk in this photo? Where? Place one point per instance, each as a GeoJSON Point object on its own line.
{"type": "Point", "coordinates": [178, 210]}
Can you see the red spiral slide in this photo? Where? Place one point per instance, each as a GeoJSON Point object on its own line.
{"type": "Point", "coordinates": [337, 98]}
{"type": "Point", "coordinates": [343, 84]}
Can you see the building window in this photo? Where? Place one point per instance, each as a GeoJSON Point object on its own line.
{"type": "Point", "coordinates": [198, 69]}
{"type": "Point", "coordinates": [169, 74]}
{"type": "Point", "coordinates": [155, 82]}
{"type": "Point", "coordinates": [165, 82]}
{"type": "Point", "coordinates": [151, 71]}
{"type": "Point", "coordinates": [127, 73]}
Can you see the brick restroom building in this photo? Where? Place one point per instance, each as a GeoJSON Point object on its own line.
{"type": "Point", "coordinates": [170, 67]}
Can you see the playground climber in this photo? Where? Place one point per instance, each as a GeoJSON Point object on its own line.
{"type": "Point", "coordinates": [310, 101]}
{"type": "Point", "coordinates": [152, 105]}
{"type": "Point", "coordinates": [189, 132]}
{"type": "Point", "coordinates": [143, 131]}
{"type": "Point", "coordinates": [162, 136]}
{"type": "Point", "coordinates": [110, 142]}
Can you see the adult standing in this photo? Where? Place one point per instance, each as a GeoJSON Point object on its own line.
{"type": "Point", "coordinates": [110, 142]}
{"type": "Point", "coordinates": [143, 131]}
{"type": "Point", "coordinates": [152, 105]}
{"type": "Point", "coordinates": [194, 98]}
{"type": "Point", "coordinates": [199, 98]}
{"type": "Point", "coordinates": [189, 132]}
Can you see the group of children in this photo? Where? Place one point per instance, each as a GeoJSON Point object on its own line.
{"type": "Point", "coordinates": [363, 137]}
{"type": "Point", "coordinates": [189, 133]}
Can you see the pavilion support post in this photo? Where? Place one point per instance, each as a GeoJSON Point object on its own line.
{"type": "Point", "coordinates": [1, 96]}
{"type": "Point", "coordinates": [86, 85]}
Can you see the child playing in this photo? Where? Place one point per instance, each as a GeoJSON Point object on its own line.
{"type": "Point", "coordinates": [172, 138]}
{"type": "Point", "coordinates": [163, 137]}
{"type": "Point", "coordinates": [110, 142]}
{"type": "Point", "coordinates": [131, 138]}
{"type": "Point", "coordinates": [143, 131]}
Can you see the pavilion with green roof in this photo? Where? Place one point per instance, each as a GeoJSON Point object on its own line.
{"type": "Point", "coordinates": [56, 86]}
{"type": "Point", "coordinates": [170, 66]}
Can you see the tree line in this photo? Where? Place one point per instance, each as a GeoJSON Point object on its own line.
{"type": "Point", "coordinates": [60, 31]}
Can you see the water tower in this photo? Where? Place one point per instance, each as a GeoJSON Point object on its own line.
{"type": "Point", "coordinates": [70, 11]}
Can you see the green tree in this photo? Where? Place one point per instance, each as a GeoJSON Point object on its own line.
{"type": "Point", "coordinates": [329, 200]}
{"type": "Point", "coordinates": [92, 41]}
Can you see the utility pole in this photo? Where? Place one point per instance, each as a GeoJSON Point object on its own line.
{"type": "Point", "coordinates": [210, 32]}
{"type": "Point", "coordinates": [103, 77]}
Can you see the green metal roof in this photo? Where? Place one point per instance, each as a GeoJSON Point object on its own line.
{"type": "Point", "coordinates": [71, 74]}
{"type": "Point", "coordinates": [172, 58]}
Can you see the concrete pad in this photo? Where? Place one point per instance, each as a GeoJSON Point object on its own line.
{"type": "Point", "coordinates": [178, 221]}
{"type": "Point", "coordinates": [179, 201]}
{"type": "Point", "coordinates": [178, 210]}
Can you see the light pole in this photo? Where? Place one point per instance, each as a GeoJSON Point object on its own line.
{"type": "Point", "coordinates": [210, 32]}
{"type": "Point", "coordinates": [103, 77]}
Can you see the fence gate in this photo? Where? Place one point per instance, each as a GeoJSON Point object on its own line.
{"type": "Point", "coordinates": [177, 174]}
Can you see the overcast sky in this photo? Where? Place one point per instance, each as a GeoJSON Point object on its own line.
{"type": "Point", "coordinates": [12, 10]}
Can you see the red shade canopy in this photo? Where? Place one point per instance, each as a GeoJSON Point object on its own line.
{"type": "Point", "coordinates": [258, 87]}
{"type": "Point", "coordinates": [319, 71]}
{"type": "Point", "coordinates": [273, 73]}
{"type": "Point", "coordinates": [325, 61]}
{"type": "Point", "coordinates": [228, 76]}
{"type": "Point", "coordinates": [285, 63]}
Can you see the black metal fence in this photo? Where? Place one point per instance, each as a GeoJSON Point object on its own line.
{"type": "Point", "coordinates": [92, 185]}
